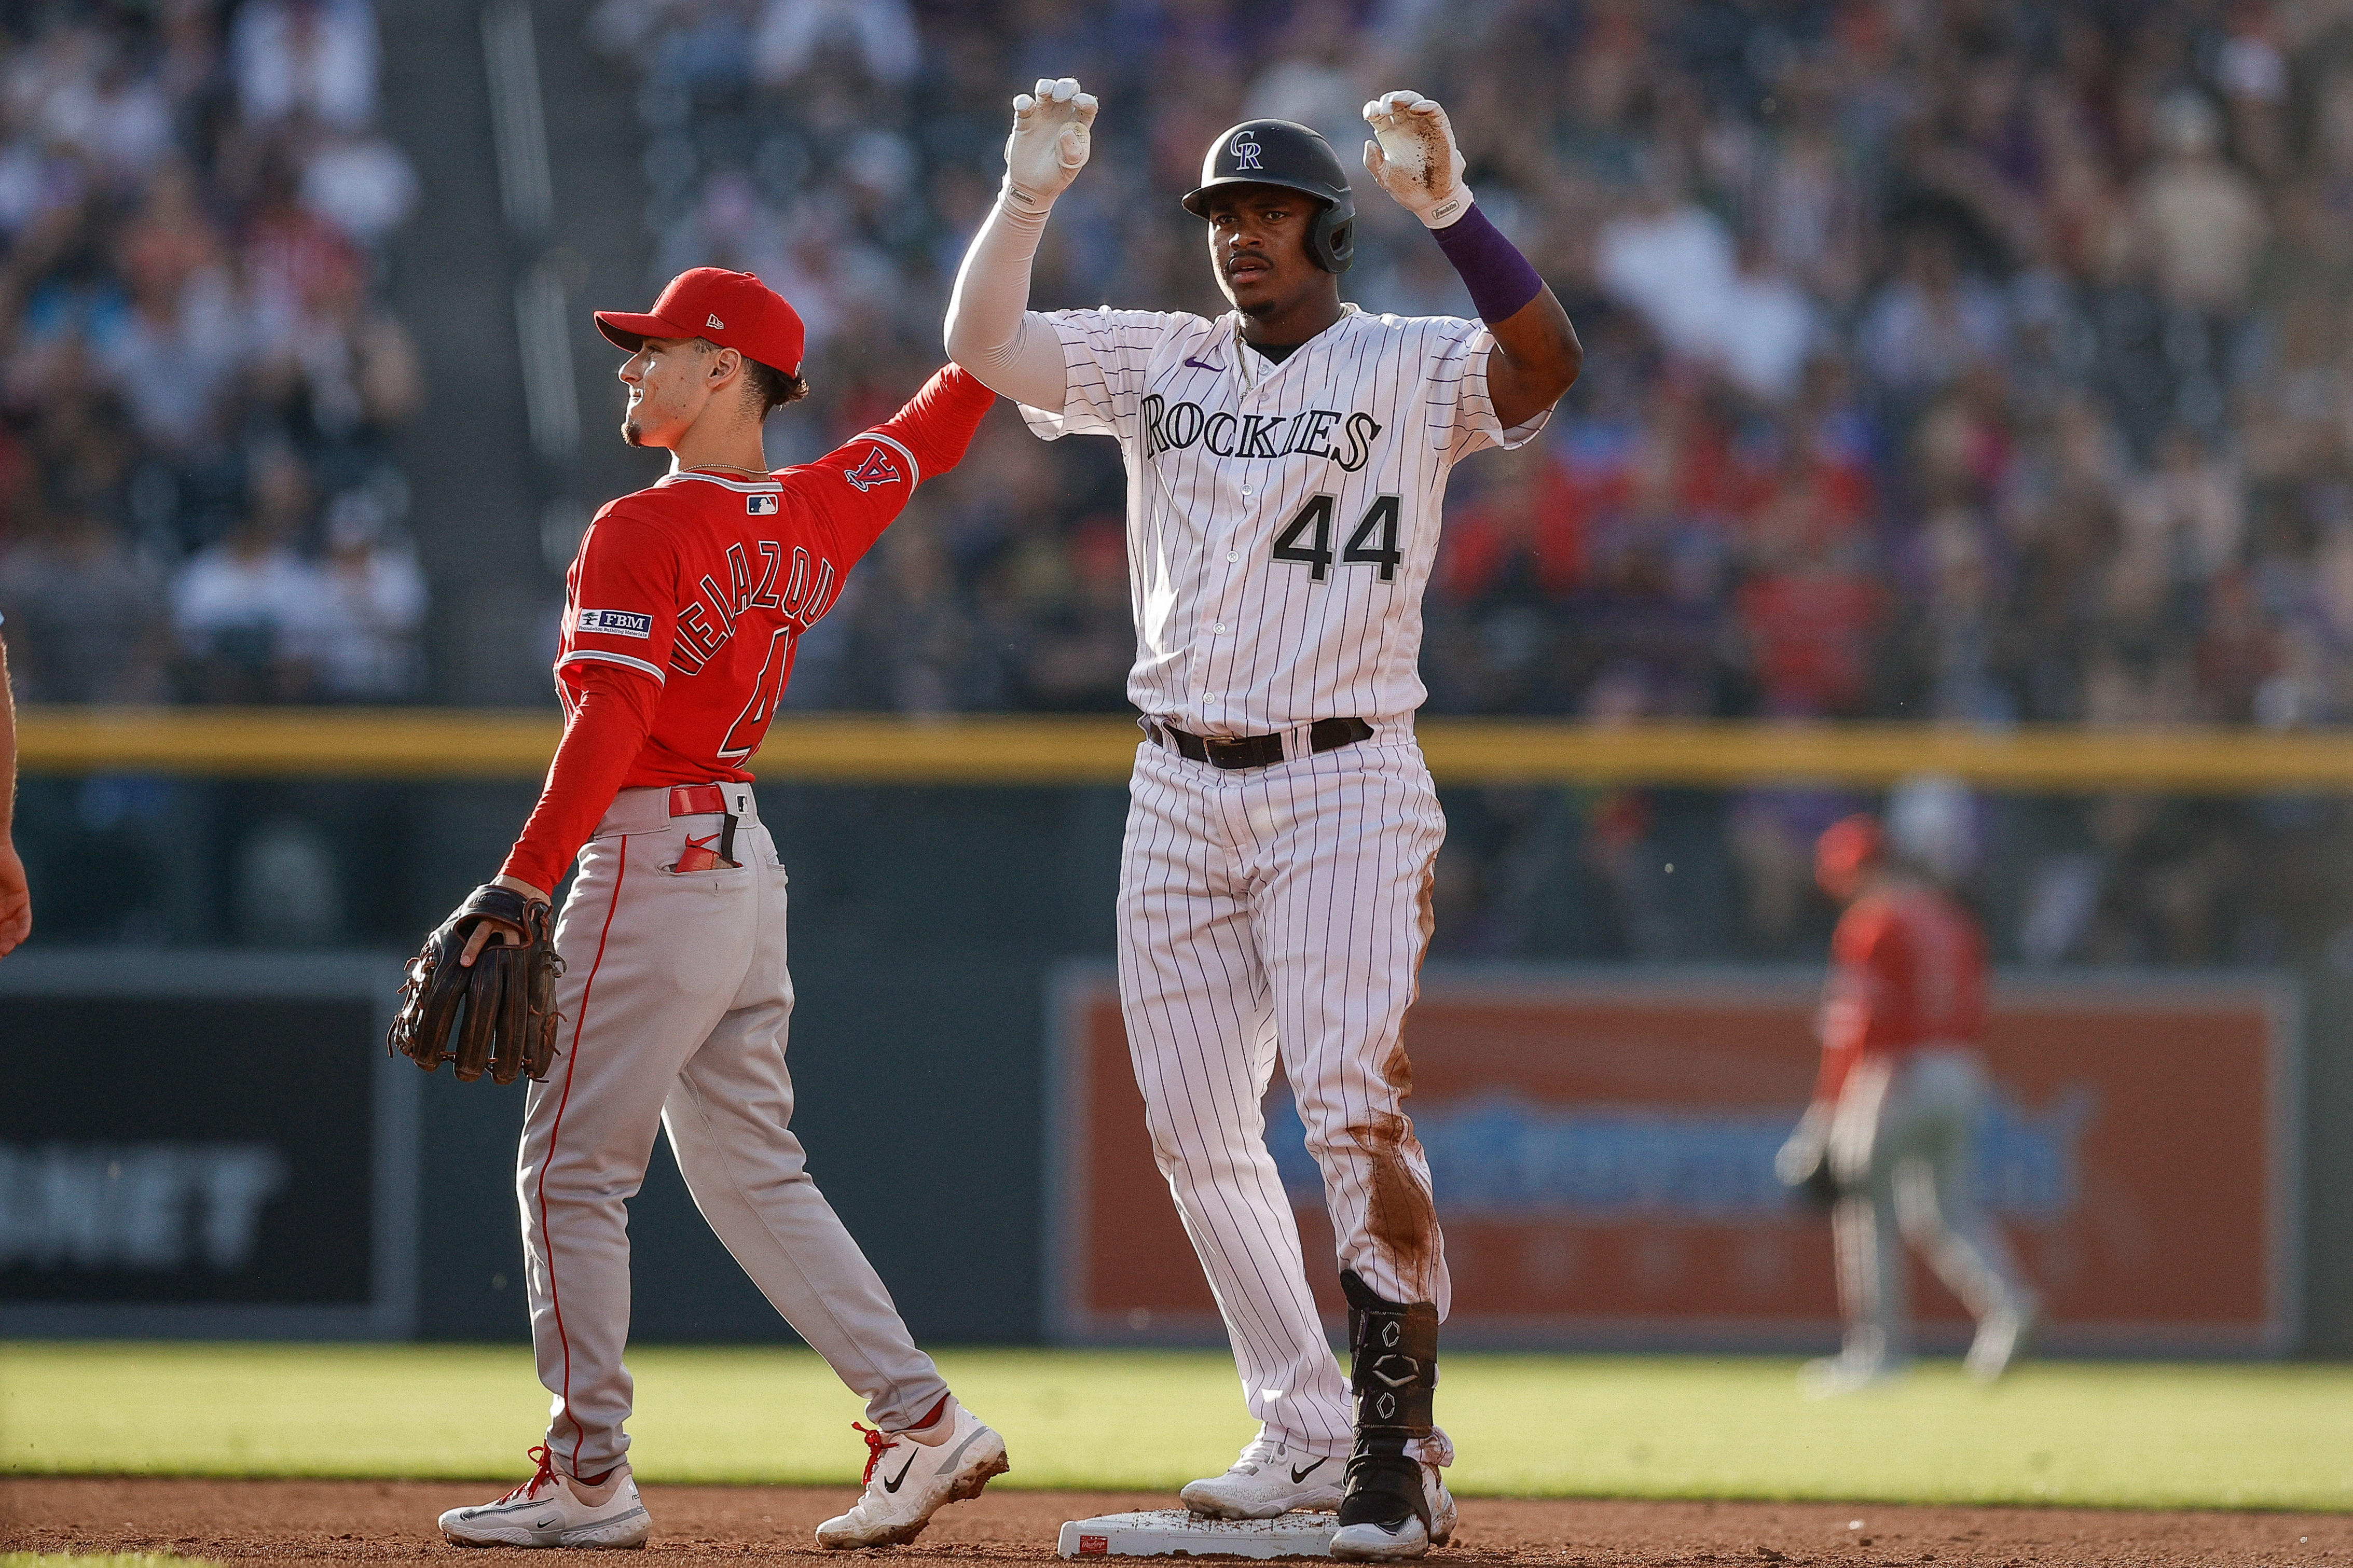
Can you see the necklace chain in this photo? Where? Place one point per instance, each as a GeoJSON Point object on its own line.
{"type": "Point", "coordinates": [730, 467]}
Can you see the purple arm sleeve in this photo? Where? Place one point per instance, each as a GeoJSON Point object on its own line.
{"type": "Point", "coordinates": [1500, 278]}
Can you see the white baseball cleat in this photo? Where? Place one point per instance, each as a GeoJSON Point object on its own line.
{"type": "Point", "coordinates": [1831, 1375]}
{"type": "Point", "coordinates": [2002, 1338]}
{"type": "Point", "coordinates": [1270, 1478]}
{"type": "Point", "coordinates": [1400, 1540]}
{"type": "Point", "coordinates": [907, 1481]}
{"type": "Point", "coordinates": [554, 1510]}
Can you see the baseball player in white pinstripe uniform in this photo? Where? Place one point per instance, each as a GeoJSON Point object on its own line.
{"type": "Point", "coordinates": [1286, 466]}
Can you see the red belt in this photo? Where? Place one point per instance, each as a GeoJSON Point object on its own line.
{"type": "Point", "coordinates": [697, 800]}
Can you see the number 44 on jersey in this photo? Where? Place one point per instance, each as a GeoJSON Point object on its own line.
{"type": "Point", "coordinates": [1373, 544]}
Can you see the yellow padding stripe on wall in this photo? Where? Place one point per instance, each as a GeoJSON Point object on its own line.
{"type": "Point", "coordinates": [450, 744]}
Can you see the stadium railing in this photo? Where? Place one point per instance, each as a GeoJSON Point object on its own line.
{"type": "Point", "coordinates": [978, 749]}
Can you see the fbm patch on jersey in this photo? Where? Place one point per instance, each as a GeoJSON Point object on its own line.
{"type": "Point", "coordinates": [877, 470]}
{"type": "Point", "coordinates": [616, 623]}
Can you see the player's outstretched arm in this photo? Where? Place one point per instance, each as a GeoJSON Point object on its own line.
{"type": "Point", "coordinates": [859, 489]}
{"type": "Point", "coordinates": [16, 898]}
{"type": "Point", "coordinates": [990, 330]}
{"type": "Point", "coordinates": [1413, 157]}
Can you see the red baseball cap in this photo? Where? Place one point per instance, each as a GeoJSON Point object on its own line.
{"type": "Point", "coordinates": [1847, 848]}
{"type": "Point", "coordinates": [734, 309]}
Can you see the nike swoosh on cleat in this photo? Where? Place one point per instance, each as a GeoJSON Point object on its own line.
{"type": "Point", "coordinates": [1299, 1476]}
{"type": "Point", "coordinates": [893, 1486]}
{"type": "Point", "coordinates": [974, 1438]}
{"type": "Point", "coordinates": [1197, 364]}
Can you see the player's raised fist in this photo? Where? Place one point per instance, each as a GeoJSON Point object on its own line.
{"type": "Point", "coordinates": [1050, 142]}
{"type": "Point", "coordinates": [1413, 157]}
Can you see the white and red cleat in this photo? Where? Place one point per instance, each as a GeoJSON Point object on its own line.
{"type": "Point", "coordinates": [908, 1481]}
{"type": "Point", "coordinates": [556, 1510]}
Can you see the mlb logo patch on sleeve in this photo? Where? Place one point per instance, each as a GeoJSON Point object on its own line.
{"type": "Point", "coordinates": [616, 623]}
{"type": "Point", "coordinates": [760, 505]}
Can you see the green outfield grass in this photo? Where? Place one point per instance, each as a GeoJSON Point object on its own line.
{"type": "Point", "coordinates": [2109, 1435]}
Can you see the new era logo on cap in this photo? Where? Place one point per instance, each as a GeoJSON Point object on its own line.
{"type": "Point", "coordinates": [714, 321]}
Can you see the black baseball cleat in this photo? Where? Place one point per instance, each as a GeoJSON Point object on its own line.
{"type": "Point", "coordinates": [1396, 1507]}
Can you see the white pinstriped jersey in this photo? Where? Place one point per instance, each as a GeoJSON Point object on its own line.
{"type": "Point", "coordinates": [1281, 519]}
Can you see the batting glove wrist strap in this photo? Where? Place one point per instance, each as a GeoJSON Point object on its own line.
{"type": "Point", "coordinates": [1439, 218]}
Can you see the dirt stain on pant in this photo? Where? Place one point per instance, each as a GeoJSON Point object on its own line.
{"type": "Point", "coordinates": [1398, 1214]}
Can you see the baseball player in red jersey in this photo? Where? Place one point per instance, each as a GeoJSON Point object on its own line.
{"type": "Point", "coordinates": [1899, 1093]}
{"type": "Point", "coordinates": [681, 611]}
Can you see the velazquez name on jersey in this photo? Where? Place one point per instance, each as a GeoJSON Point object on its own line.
{"type": "Point", "coordinates": [1172, 426]}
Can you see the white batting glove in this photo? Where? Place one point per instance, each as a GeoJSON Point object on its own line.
{"type": "Point", "coordinates": [1413, 156]}
{"type": "Point", "coordinates": [1050, 143]}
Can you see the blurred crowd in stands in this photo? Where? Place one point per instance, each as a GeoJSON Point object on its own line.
{"type": "Point", "coordinates": [1972, 360]}
{"type": "Point", "coordinates": [198, 376]}
{"type": "Point", "coordinates": [1975, 360]}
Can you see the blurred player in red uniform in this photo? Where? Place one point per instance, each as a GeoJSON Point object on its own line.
{"type": "Point", "coordinates": [15, 902]}
{"type": "Point", "coordinates": [1899, 1093]}
{"type": "Point", "coordinates": [681, 612]}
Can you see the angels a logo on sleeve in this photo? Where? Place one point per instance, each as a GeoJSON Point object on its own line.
{"type": "Point", "coordinates": [877, 470]}
{"type": "Point", "coordinates": [616, 623]}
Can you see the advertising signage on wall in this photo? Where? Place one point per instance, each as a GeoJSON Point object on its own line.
{"type": "Point", "coordinates": [203, 1145]}
{"type": "Point", "coordinates": [1602, 1150]}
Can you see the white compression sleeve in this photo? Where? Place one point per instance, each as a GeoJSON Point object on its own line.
{"type": "Point", "coordinates": [990, 330]}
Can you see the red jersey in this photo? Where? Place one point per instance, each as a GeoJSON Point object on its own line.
{"type": "Point", "coordinates": [1908, 968]}
{"type": "Point", "coordinates": [685, 602]}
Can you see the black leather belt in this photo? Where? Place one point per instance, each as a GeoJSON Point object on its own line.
{"type": "Point", "coordinates": [1254, 751]}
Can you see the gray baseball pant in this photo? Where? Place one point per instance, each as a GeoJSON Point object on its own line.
{"type": "Point", "coordinates": [1899, 1145]}
{"type": "Point", "coordinates": [675, 1002]}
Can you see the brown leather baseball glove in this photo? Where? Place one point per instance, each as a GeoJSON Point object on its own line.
{"type": "Point", "coordinates": [498, 1013]}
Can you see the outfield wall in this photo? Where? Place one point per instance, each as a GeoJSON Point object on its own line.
{"type": "Point", "coordinates": [248, 1163]}
{"type": "Point", "coordinates": [930, 920]}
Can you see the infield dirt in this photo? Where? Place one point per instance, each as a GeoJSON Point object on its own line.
{"type": "Point", "coordinates": [338, 1523]}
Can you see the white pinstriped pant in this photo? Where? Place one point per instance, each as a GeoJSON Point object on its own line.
{"type": "Point", "coordinates": [1283, 908]}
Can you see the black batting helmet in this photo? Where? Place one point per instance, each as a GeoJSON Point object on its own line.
{"type": "Point", "coordinates": [1281, 153]}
